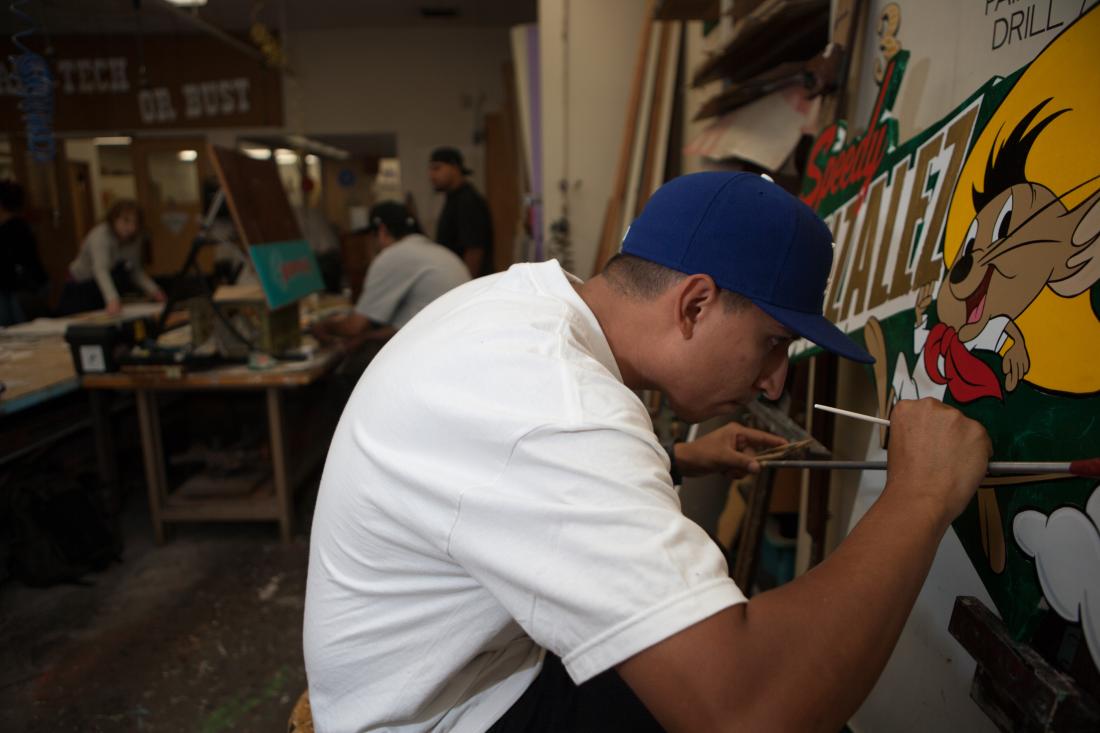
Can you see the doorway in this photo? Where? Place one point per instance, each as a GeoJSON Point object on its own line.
{"type": "Point", "coordinates": [169, 175]}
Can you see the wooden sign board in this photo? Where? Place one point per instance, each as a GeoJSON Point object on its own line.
{"type": "Point", "coordinates": [188, 82]}
{"type": "Point", "coordinates": [256, 198]}
{"type": "Point", "coordinates": [266, 225]}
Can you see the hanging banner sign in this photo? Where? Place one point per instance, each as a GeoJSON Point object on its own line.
{"type": "Point", "coordinates": [122, 83]}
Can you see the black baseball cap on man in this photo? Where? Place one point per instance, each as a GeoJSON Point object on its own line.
{"type": "Point", "coordinates": [452, 156]}
{"type": "Point", "coordinates": [394, 214]}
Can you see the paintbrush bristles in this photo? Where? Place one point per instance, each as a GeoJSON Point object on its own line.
{"type": "Point", "coordinates": [799, 447]}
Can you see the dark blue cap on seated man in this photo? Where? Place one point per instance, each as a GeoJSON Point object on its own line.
{"type": "Point", "coordinates": [752, 238]}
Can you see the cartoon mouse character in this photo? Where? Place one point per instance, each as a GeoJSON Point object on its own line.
{"type": "Point", "coordinates": [1021, 250]}
{"type": "Point", "coordinates": [1022, 241]}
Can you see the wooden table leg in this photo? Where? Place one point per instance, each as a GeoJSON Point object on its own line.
{"type": "Point", "coordinates": [102, 427]}
{"type": "Point", "coordinates": [152, 448]}
{"type": "Point", "coordinates": [283, 494]}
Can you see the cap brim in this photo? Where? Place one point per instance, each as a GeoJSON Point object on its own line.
{"type": "Point", "coordinates": [819, 330]}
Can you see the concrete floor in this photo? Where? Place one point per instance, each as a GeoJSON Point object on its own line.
{"type": "Point", "coordinates": [202, 634]}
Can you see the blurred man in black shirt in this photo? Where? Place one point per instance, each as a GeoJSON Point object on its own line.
{"type": "Point", "coordinates": [22, 276]}
{"type": "Point", "coordinates": [464, 226]}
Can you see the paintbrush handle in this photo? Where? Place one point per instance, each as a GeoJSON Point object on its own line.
{"type": "Point", "coordinates": [1087, 467]}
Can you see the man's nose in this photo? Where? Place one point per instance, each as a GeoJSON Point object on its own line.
{"type": "Point", "coordinates": [773, 377]}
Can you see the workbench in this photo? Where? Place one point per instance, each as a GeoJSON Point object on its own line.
{"type": "Point", "coordinates": [271, 500]}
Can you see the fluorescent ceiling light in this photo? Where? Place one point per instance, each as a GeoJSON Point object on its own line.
{"type": "Point", "coordinates": [117, 140]}
{"type": "Point", "coordinates": [285, 157]}
{"type": "Point", "coordinates": [257, 153]}
{"type": "Point", "coordinates": [188, 156]}
{"type": "Point", "coordinates": [188, 3]}
{"type": "Point", "coordinates": [312, 159]}
{"type": "Point", "coordinates": [316, 146]}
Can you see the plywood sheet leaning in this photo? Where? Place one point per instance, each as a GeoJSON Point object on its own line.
{"type": "Point", "coordinates": [256, 197]}
{"type": "Point", "coordinates": [610, 233]}
{"type": "Point", "coordinates": [660, 118]}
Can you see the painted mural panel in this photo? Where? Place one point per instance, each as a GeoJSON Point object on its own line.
{"type": "Point", "coordinates": [968, 260]}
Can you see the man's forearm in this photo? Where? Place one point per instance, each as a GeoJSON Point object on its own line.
{"type": "Point", "coordinates": [803, 656]}
{"type": "Point", "coordinates": [829, 633]}
{"type": "Point", "coordinates": [381, 333]}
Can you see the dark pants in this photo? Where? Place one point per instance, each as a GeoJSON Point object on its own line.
{"type": "Point", "coordinates": [79, 296]}
{"type": "Point", "coordinates": [604, 704]}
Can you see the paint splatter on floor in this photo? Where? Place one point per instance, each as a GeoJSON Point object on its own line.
{"type": "Point", "coordinates": [201, 634]}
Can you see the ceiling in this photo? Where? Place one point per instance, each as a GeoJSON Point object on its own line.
{"type": "Point", "coordinates": [156, 16]}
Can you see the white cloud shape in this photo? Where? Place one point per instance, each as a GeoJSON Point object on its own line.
{"type": "Point", "coordinates": [1066, 548]}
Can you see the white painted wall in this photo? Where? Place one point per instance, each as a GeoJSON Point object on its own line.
{"type": "Point", "coordinates": [421, 84]}
{"type": "Point", "coordinates": [582, 124]}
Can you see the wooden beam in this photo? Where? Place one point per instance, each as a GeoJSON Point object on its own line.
{"type": "Point", "coordinates": [613, 216]}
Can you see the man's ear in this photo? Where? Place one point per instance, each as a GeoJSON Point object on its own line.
{"type": "Point", "coordinates": [696, 295]}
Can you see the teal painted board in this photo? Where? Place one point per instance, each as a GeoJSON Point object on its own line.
{"type": "Point", "coordinates": [287, 270]}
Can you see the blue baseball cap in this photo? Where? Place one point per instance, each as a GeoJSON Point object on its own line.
{"type": "Point", "coordinates": [752, 238]}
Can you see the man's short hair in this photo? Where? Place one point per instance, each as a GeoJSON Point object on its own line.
{"type": "Point", "coordinates": [639, 278]}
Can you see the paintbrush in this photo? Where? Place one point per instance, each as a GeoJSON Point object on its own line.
{"type": "Point", "coordinates": [1084, 467]}
{"type": "Point", "coordinates": [798, 447]}
{"type": "Point", "coordinates": [849, 413]}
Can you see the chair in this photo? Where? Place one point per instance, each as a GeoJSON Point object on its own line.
{"type": "Point", "coordinates": [301, 717]}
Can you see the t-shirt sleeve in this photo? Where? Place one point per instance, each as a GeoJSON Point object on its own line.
{"type": "Point", "coordinates": [583, 541]}
{"type": "Point", "coordinates": [388, 282]}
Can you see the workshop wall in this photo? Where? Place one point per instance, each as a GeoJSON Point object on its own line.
{"type": "Point", "coordinates": [587, 60]}
{"type": "Point", "coordinates": [431, 87]}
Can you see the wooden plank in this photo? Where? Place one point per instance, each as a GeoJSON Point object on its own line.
{"type": "Point", "coordinates": [641, 138]}
{"type": "Point", "coordinates": [738, 95]}
{"type": "Point", "coordinates": [502, 167]}
{"type": "Point", "coordinates": [259, 507]}
{"type": "Point", "coordinates": [752, 530]}
{"type": "Point", "coordinates": [795, 31]}
{"type": "Point", "coordinates": [283, 491]}
{"type": "Point", "coordinates": [34, 370]}
{"type": "Point", "coordinates": [664, 118]}
{"type": "Point", "coordinates": [153, 453]}
{"type": "Point", "coordinates": [690, 9]}
{"type": "Point", "coordinates": [609, 234]}
{"type": "Point", "coordinates": [649, 163]}
{"type": "Point", "coordinates": [1014, 685]}
{"type": "Point", "coordinates": [256, 198]}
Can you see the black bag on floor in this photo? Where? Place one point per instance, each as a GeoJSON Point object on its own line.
{"type": "Point", "coordinates": [57, 529]}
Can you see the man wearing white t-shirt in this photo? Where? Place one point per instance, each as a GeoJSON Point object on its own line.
{"type": "Point", "coordinates": [497, 544]}
{"type": "Point", "coordinates": [408, 272]}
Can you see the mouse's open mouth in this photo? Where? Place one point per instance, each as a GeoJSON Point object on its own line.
{"type": "Point", "coordinates": [975, 302]}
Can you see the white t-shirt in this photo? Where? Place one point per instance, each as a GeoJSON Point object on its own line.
{"type": "Point", "coordinates": [100, 252]}
{"type": "Point", "coordinates": [406, 276]}
{"type": "Point", "coordinates": [493, 489]}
